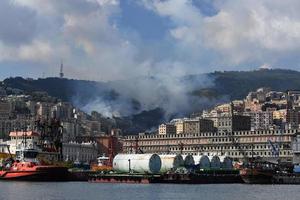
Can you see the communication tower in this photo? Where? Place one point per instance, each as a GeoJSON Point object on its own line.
{"type": "Point", "coordinates": [61, 74]}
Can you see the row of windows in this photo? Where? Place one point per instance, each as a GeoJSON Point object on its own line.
{"type": "Point", "coordinates": [225, 123]}
{"type": "Point", "coordinates": [21, 138]}
{"type": "Point", "coordinates": [81, 157]}
{"type": "Point", "coordinates": [197, 148]}
{"type": "Point", "coordinates": [211, 134]}
{"type": "Point", "coordinates": [260, 153]}
{"type": "Point", "coordinates": [229, 153]}
{"type": "Point", "coordinates": [217, 140]}
{"type": "Point", "coordinates": [75, 150]}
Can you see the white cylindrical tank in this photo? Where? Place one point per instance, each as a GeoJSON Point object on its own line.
{"type": "Point", "coordinates": [202, 161]}
{"type": "Point", "coordinates": [171, 162]}
{"type": "Point", "coordinates": [214, 162]}
{"type": "Point", "coordinates": [188, 160]}
{"type": "Point", "coordinates": [226, 162]}
{"type": "Point", "coordinates": [139, 163]}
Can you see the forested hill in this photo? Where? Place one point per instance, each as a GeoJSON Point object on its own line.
{"type": "Point", "coordinates": [237, 84]}
{"type": "Point", "coordinates": [226, 85]}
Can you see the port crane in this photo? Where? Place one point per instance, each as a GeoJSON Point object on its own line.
{"type": "Point", "coordinates": [51, 135]}
{"type": "Point", "coordinates": [235, 141]}
{"type": "Point", "coordinates": [137, 149]}
{"type": "Point", "coordinates": [274, 149]}
{"type": "Point", "coordinates": [181, 146]}
{"type": "Point", "coordinates": [238, 146]}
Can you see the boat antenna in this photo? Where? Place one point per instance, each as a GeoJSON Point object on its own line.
{"type": "Point", "coordinates": [25, 139]}
{"type": "Point", "coordinates": [10, 155]}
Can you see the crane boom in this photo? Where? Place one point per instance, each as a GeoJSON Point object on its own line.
{"type": "Point", "coordinates": [237, 145]}
{"type": "Point", "coordinates": [274, 149]}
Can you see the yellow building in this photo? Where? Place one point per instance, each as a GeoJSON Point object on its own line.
{"type": "Point", "coordinates": [224, 108]}
{"type": "Point", "coordinates": [179, 127]}
{"type": "Point", "coordinates": [280, 114]}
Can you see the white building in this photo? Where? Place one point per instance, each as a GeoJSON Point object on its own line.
{"type": "Point", "coordinates": [262, 120]}
{"type": "Point", "coordinates": [27, 139]}
{"type": "Point", "coordinates": [70, 130]}
{"type": "Point", "coordinates": [80, 152]}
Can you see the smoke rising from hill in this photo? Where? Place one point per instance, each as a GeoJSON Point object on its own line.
{"type": "Point", "coordinates": [172, 94]}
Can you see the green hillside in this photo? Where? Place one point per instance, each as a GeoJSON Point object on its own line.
{"type": "Point", "coordinates": [237, 84]}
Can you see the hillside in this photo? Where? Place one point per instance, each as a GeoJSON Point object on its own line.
{"type": "Point", "coordinates": [237, 84]}
{"type": "Point", "coordinates": [226, 85]}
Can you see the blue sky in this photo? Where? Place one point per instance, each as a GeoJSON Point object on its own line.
{"type": "Point", "coordinates": [135, 17]}
{"type": "Point", "coordinates": [122, 39]}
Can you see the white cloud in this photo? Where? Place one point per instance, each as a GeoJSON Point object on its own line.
{"type": "Point", "coordinates": [79, 31]}
{"type": "Point", "coordinates": [246, 31]}
{"type": "Point", "coordinates": [85, 34]}
{"type": "Point", "coordinates": [107, 2]}
{"type": "Point", "coordinates": [37, 51]}
{"type": "Point", "coordinates": [40, 6]}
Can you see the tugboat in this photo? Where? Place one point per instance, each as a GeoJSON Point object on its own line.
{"type": "Point", "coordinates": [27, 167]}
{"type": "Point", "coordinates": [258, 172]}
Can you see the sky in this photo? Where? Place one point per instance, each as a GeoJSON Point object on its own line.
{"type": "Point", "coordinates": [108, 40]}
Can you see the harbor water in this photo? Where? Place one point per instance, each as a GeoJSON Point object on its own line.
{"type": "Point", "coordinates": [90, 191]}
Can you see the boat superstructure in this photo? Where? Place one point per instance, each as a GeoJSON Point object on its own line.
{"type": "Point", "coordinates": [26, 166]}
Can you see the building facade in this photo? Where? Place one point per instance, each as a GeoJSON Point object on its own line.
{"type": "Point", "coordinates": [262, 120]}
{"type": "Point", "coordinates": [247, 143]}
{"type": "Point", "coordinates": [179, 126]}
{"type": "Point", "coordinates": [195, 126]}
{"type": "Point", "coordinates": [292, 118]}
{"type": "Point", "coordinates": [166, 129]}
{"type": "Point", "coordinates": [296, 149]}
{"type": "Point", "coordinates": [5, 110]}
{"type": "Point", "coordinates": [85, 152]}
{"type": "Point", "coordinates": [25, 139]}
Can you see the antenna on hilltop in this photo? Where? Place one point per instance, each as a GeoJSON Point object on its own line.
{"type": "Point", "coordinates": [61, 74]}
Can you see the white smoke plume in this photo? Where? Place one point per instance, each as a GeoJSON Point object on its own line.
{"type": "Point", "coordinates": [174, 95]}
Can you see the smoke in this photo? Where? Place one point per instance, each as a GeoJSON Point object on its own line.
{"type": "Point", "coordinates": [174, 95]}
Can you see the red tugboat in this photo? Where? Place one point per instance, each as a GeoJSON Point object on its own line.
{"type": "Point", "coordinates": [27, 164]}
{"type": "Point", "coordinates": [27, 167]}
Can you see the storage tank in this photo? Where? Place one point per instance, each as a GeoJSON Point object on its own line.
{"type": "Point", "coordinates": [138, 163]}
{"type": "Point", "coordinates": [202, 161]}
{"type": "Point", "coordinates": [188, 160]}
{"type": "Point", "coordinates": [214, 162]}
{"type": "Point", "coordinates": [226, 162]}
{"type": "Point", "coordinates": [171, 162]}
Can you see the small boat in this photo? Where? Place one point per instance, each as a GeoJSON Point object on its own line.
{"type": "Point", "coordinates": [27, 167]}
{"type": "Point", "coordinates": [258, 172]}
{"type": "Point", "coordinates": [103, 164]}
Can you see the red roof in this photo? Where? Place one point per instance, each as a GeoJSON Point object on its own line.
{"type": "Point", "coordinates": [23, 133]}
